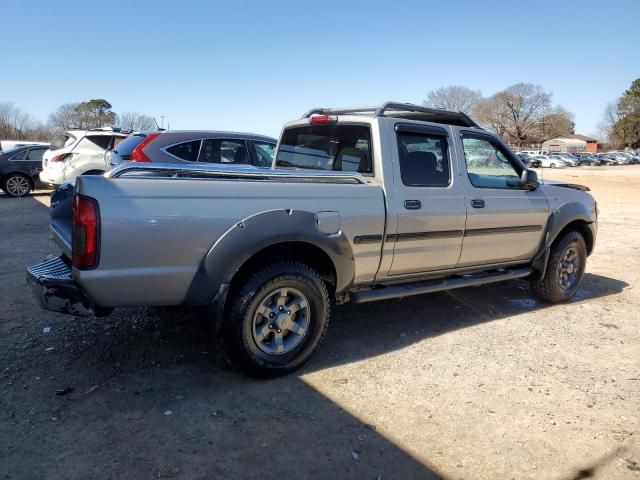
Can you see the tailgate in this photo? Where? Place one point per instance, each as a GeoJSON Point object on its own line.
{"type": "Point", "coordinates": [61, 212]}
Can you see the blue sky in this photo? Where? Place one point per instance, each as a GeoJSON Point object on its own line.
{"type": "Point", "coordinates": [252, 65]}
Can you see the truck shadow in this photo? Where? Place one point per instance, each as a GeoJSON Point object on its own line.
{"type": "Point", "coordinates": [144, 394]}
{"type": "Point", "coordinates": [360, 331]}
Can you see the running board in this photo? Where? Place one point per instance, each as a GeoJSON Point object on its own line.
{"type": "Point", "coordinates": [430, 286]}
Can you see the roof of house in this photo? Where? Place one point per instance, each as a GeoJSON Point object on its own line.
{"type": "Point", "coordinates": [584, 138]}
{"type": "Point", "coordinates": [574, 142]}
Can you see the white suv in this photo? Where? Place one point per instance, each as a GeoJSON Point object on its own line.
{"type": "Point", "coordinates": [83, 152]}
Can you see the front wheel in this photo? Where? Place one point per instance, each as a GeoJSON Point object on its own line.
{"type": "Point", "coordinates": [276, 320]}
{"type": "Point", "coordinates": [17, 185]}
{"type": "Point", "coordinates": [565, 269]}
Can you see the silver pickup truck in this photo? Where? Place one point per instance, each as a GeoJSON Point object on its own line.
{"type": "Point", "coordinates": [361, 204]}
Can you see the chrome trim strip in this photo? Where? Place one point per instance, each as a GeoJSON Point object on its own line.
{"type": "Point", "coordinates": [405, 237]}
{"type": "Point", "coordinates": [496, 231]}
{"type": "Point", "coordinates": [245, 172]}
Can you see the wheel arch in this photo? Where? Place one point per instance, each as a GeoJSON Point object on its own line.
{"type": "Point", "coordinates": [267, 237]}
{"type": "Point", "coordinates": [572, 216]}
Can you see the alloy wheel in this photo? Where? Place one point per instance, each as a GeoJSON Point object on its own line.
{"type": "Point", "coordinates": [17, 186]}
{"type": "Point", "coordinates": [281, 321]}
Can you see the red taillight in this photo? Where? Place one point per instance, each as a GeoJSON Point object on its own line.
{"type": "Point", "coordinates": [323, 119]}
{"type": "Point", "coordinates": [138, 155]}
{"type": "Point", "coordinates": [59, 158]}
{"type": "Point", "coordinates": [86, 222]}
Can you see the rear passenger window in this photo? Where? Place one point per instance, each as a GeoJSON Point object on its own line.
{"type": "Point", "coordinates": [186, 151]}
{"type": "Point", "coordinates": [264, 153]}
{"type": "Point", "coordinates": [19, 156]}
{"type": "Point", "coordinates": [423, 160]}
{"type": "Point", "coordinates": [224, 151]}
{"type": "Point", "coordinates": [35, 154]}
{"type": "Point", "coordinates": [100, 141]}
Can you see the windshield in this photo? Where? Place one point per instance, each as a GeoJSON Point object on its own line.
{"type": "Point", "coordinates": [326, 147]}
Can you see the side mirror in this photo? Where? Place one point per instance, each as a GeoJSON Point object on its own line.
{"type": "Point", "coordinates": [529, 179]}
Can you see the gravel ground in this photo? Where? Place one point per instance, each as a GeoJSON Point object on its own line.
{"type": "Point", "coordinates": [479, 383]}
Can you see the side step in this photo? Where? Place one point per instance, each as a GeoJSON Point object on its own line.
{"type": "Point", "coordinates": [430, 286]}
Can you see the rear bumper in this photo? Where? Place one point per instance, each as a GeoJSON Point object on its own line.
{"type": "Point", "coordinates": [52, 178]}
{"type": "Point", "coordinates": [54, 288]}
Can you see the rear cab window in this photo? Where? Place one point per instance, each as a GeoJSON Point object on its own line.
{"type": "Point", "coordinates": [329, 146]}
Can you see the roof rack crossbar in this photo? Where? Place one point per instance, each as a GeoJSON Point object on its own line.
{"type": "Point", "coordinates": [382, 109]}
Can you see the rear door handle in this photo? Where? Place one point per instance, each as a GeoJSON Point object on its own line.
{"type": "Point", "coordinates": [477, 203]}
{"type": "Point", "coordinates": [412, 204]}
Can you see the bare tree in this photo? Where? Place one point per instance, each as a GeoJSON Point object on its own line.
{"type": "Point", "coordinates": [135, 121]}
{"type": "Point", "coordinates": [555, 123]}
{"type": "Point", "coordinates": [65, 117]}
{"type": "Point", "coordinates": [455, 98]}
{"type": "Point", "coordinates": [17, 125]}
{"type": "Point", "coordinates": [516, 112]}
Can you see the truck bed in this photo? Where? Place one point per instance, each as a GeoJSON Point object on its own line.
{"type": "Point", "coordinates": [158, 222]}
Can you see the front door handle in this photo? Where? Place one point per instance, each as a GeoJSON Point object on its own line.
{"type": "Point", "coordinates": [412, 204]}
{"type": "Point", "coordinates": [477, 203]}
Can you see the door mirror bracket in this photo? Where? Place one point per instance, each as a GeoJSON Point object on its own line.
{"type": "Point", "coordinates": [529, 179]}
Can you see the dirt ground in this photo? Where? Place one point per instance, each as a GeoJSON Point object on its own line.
{"type": "Point", "coordinates": [479, 383]}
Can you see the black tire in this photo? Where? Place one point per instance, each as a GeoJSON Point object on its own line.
{"type": "Point", "coordinates": [549, 288]}
{"type": "Point", "coordinates": [553, 165]}
{"type": "Point", "coordinates": [237, 340]}
{"type": "Point", "coordinates": [12, 185]}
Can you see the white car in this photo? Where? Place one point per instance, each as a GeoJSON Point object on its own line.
{"type": "Point", "coordinates": [83, 152]}
{"type": "Point", "coordinates": [551, 162]}
{"type": "Point", "coordinates": [568, 159]}
{"type": "Point", "coordinates": [530, 153]}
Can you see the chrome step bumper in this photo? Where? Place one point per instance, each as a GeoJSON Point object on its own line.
{"type": "Point", "coordinates": [56, 290]}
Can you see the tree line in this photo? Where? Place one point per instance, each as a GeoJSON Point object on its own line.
{"type": "Point", "coordinates": [621, 119]}
{"type": "Point", "coordinates": [16, 124]}
{"type": "Point", "coordinates": [522, 114]}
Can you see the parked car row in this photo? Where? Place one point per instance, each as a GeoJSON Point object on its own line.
{"type": "Point", "coordinates": [94, 152]}
{"type": "Point", "coordinates": [565, 159]}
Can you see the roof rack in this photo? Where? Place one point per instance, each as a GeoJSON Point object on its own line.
{"type": "Point", "coordinates": [402, 110]}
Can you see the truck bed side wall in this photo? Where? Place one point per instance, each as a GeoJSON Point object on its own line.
{"type": "Point", "coordinates": [155, 233]}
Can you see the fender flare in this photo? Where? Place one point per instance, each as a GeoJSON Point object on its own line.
{"type": "Point", "coordinates": [257, 232]}
{"type": "Point", "coordinates": [558, 220]}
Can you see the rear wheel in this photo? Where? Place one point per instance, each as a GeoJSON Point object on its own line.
{"type": "Point", "coordinates": [17, 185]}
{"type": "Point", "coordinates": [565, 269]}
{"type": "Point", "coordinates": [553, 165]}
{"type": "Point", "coordinates": [276, 320]}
